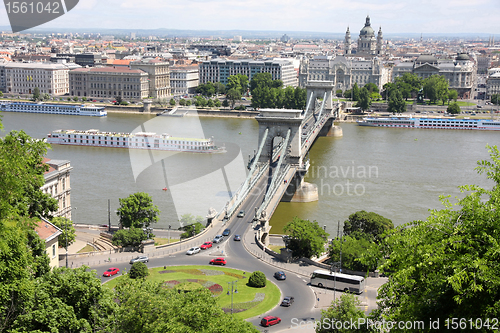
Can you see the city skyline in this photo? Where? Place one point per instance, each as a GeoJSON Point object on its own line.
{"type": "Point", "coordinates": [403, 16]}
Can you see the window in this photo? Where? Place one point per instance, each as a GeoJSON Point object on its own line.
{"type": "Point", "coordinates": [53, 250]}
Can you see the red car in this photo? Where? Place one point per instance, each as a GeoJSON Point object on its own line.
{"type": "Point", "coordinates": [270, 320]}
{"type": "Point", "coordinates": [206, 245]}
{"type": "Point", "coordinates": [111, 271]}
{"type": "Point", "coordinates": [218, 261]}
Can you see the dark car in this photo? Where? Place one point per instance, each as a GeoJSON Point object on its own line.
{"type": "Point", "coordinates": [111, 271]}
{"type": "Point", "coordinates": [270, 320]}
{"type": "Point", "coordinates": [226, 232]}
{"type": "Point", "coordinates": [287, 301]}
{"type": "Point", "coordinates": [237, 238]}
{"type": "Point", "coordinates": [280, 275]}
{"type": "Point", "coordinates": [218, 261]}
{"type": "Point", "coordinates": [140, 258]}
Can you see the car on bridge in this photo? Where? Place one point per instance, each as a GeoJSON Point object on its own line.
{"type": "Point", "coordinates": [241, 213]}
{"type": "Point", "coordinates": [280, 275]}
{"type": "Point", "coordinates": [218, 261]}
{"type": "Point", "coordinates": [206, 245]}
{"type": "Point", "coordinates": [226, 232]}
{"type": "Point", "coordinates": [237, 238]}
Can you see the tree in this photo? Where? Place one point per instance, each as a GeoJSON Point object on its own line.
{"type": "Point", "coordinates": [172, 102]}
{"type": "Point", "coordinates": [75, 99]}
{"type": "Point", "coordinates": [182, 102]}
{"type": "Point", "coordinates": [343, 310]}
{"type": "Point", "coordinates": [305, 238]}
{"type": "Point", "coordinates": [36, 94]}
{"type": "Point", "coordinates": [257, 280]}
{"type": "Point", "coordinates": [395, 103]}
{"type": "Point", "coordinates": [495, 99]}
{"type": "Point", "coordinates": [220, 88]}
{"type": "Point", "coordinates": [338, 93]}
{"type": "Point", "coordinates": [217, 103]}
{"type": "Point", "coordinates": [139, 270]}
{"type": "Point", "coordinates": [188, 102]}
{"type": "Point", "coordinates": [371, 224]}
{"type": "Point", "coordinates": [364, 100]}
{"type": "Point", "coordinates": [447, 266]}
{"type": "Point", "coordinates": [210, 103]}
{"type": "Point", "coordinates": [167, 310]}
{"type": "Point", "coordinates": [46, 97]}
{"type": "Point", "coordinates": [453, 108]}
{"type": "Point", "coordinates": [371, 87]}
{"type": "Point", "coordinates": [355, 92]}
{"type": "Point", "coordinates": [21, 177]}
{"type": "Point", "coordinates": [137, 211]}
{"type": "Point", "coordinates": [191, 230]}
{"type": "Point", "coordinates": [1, 94]}
{"type": "Point", "coordinates": [386, 88]}
{"type": "Point", "coordinates": [435, 87]}
{"type": "Point", "coordinates": [162, 102]}
{"type": "Point", "coordinates": [67, 228]}
{"type": "Point", "coordinates": [130, 237]}
{"type": "Point", "coordinates": [233, 95]}
{"type": "Point", "coordinates": [84, 99]}
{"type": "Point", "coordinates": [452, 95]}
{"type": "Point", "coordinates": [357, 251]}
{"type": "Point", "coordinates": [207, 89]}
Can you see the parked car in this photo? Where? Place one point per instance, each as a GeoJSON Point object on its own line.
{"type": "Point", "coordinates": [287, 301]}
{"type": "Point", "coordinates": [218, 239]}
{"type": "Point", "coordinates": [226, 232]}
{"type": "Point", "coordinates": [111, 271]}
{"type": "Point", "coordinates": [270, 320]}
{"type": "Point", "coordinates": [193, 250]}
{"type": "Point", "coordinates": [139, 259]}
{"type": "Point", "coordinates": [218, 261]}
{"type": "Point", "coordinates": [241, 213]}
{"type": "Point", "coordinates": [237, 238]}
{"type": "Point", "coordinates": [206, 245]}
{"type": "Point", "coordinates": [280, 275]}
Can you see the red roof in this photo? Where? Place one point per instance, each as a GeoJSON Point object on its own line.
{"type": "Point", "coordinates": [46, 230]}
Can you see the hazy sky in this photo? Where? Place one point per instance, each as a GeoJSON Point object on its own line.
{"type": "Point", "coordinates": [333, 16]}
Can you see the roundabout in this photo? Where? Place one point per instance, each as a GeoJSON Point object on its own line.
{"type": "Point", "coordinates": [229, 287]}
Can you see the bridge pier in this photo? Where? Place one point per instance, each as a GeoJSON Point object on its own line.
{"type": "Point", "coordinates": [300, 191]}
{"type": "Point", "coordinates": [329, 129]}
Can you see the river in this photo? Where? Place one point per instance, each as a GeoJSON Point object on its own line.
{"type": "Point", "coordinates": [398, 173]}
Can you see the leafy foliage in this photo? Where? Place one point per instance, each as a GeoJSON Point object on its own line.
{"type": "Point", "coordinates": [359, 253]}
{"type": "Point", "coordinates": [355, 92]}
{"type": "Point", "coordinates": [371, 224]}
{"type": "Point", "coordinates": [453, 108]}
{"type": "Point", "coordinates": [233, 95]}
{"type": "Point", "coordinates": [21, 177]}
{"type": "Point", "coordinates": [130, 237]}
{"type": "Point", "coordinates": [305, 238]}
{"type": "Point", "coordinates": [191, 230]}
{"type": "Point", "coordinates": [138, 270]}
{"type": "Point", "coordinates": [167, 310]}
{"type": "Point", "coordinates": [364, 100]}
{"type": "Point", "coordinates": [495, 99]}
{"type": "Point", "coordinates": [395, 103]}
{"type": "Point", "coordinates": [343, 310]}
{"type": "Point", "coordinates": [447, 266]}
{"type": "Point", "coordinates": [257, 280]}
{"type": "Point", "coordinates": [137, 211]}
{"type": "Point", "coordinates": [436, 88]}
{"type": "Point", "coordinates": [67, 228]}
{"type": "Point", "coordinates": [269, 93]}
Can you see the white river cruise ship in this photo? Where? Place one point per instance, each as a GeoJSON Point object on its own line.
{"type": "Point", "coordinates": [139, 140]}
{"type": "Point", "coordinates": [432, 123]}
{"type": "Point", "coordinates": [71, 110]}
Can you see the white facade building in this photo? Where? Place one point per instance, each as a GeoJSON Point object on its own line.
{"type": "Point", "coordinates": [184, 79]}
{"type": "Point", "coordinates": [49, 78]}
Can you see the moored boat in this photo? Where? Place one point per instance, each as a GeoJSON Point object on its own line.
{"type": "Point", "coordinates": [61, 109]}
{"type": "Point", "coordinates": [139, 140]}
{"type": "Point", "coordinates": [431, 123]}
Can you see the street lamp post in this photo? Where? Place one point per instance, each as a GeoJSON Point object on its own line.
{"type": "Point", "coordinates": [109, 216]}
{"type": "Point", "coordinates": [169, 227]}
{"type": "Point", "coordinates": [233, 291]}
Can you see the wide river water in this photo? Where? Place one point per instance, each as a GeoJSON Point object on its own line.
{"type": "Point", "coordinates": [398, 173]}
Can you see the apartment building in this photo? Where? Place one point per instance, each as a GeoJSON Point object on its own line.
{"type": "Point", "coordinates": [184, 79]}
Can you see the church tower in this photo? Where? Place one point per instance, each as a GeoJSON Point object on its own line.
{"type": "Point", "coordinates": [347, 42]}
{"type": "Point", "coordinates": [380, 39]}
{"type": "Point", "coordinates": [367, 41]}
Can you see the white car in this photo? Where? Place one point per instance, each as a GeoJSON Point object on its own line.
{"type": "Point", "coordinates": [193, 250]}
{"type": "Point", "coordinates": [218, 239]}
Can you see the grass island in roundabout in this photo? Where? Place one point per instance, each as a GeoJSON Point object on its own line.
{"type": "Point", "coordinates": [247, 301]}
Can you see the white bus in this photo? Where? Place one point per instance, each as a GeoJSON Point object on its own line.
{"type": "Point", "coordinates": [325, 279]}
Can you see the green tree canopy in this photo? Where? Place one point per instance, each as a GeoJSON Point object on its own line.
{"type": "Point", "coordinates": [36, 94]}
{"type": "Point", "coordinates": [343, 310]}
{"type": "Point", "coordinates": [208, 89]}
{"type": "Point", "coordinates": [305, 238]}
{"type": "Point", "coordinates": [166, 310]}
{"type": "Point", "coordinates": [453, 108]}
{"type": "Point", "coordinates": [219, 88]}
{"type": "Point", "coordinates": [137, 211]}
{"type": "Point", "coordinates": [409, 84]}
{"type": "Point", "coordinates": [452, 95]}
{"type": "Point", "coordinates": [172, 102]}
{"type": "Point", "coordinates": [355, 92]}
{"type": "Point", "coordinates": [371, 87]}
{"type": "Point", "coordinates": [257, 280]}
{"type": "Point", "coordinates": [21, 177]}
{"type": "Point", "coordinates": [129, 237]}
{"type": "Point", "coordinates": [364, 100]}
{"type": "Point", "coordinates": [395, 103]}
{"type": "Point", "coordinates": [233, 95]}
{"type": "Point", "coordinates": [139, 270]}
{"type": "Point", "coordinates": [447, 266]}
{"type": "Point", "coordinates": [369, 223]}
{"type": "Point", "coordinates": [435, 88]}
{"type": "Point", "coordinates": [495, 99]}
{"type": "Point", "coordinates": [67, 228]}
{"type": "Point", "coordinates": [359, 252]}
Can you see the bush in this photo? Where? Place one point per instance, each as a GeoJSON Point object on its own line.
{"type": "Point", "coordinates": [188, 230]}
{"type": "Point", "coordinates": [257, 280]}
{"type": "Point", "coordinates": [131, 237]}
{"type": "Point", "coordinates": [138, 270]}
